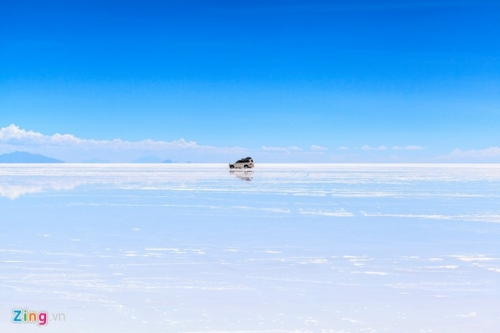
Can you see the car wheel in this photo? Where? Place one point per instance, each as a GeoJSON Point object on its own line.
{"type": "Point", "coordinates": [246, 166]}
{"type": "Point", "coordinates": [231, 167]}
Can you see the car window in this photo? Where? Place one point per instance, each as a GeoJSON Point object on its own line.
{"type": "Point", "coordinates": [244, 160]}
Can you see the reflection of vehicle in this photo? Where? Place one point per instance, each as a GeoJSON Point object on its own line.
{"type": "Point", "coordinates": [245, 163]}
{"type": "Point", "coordinates": [243, 175]}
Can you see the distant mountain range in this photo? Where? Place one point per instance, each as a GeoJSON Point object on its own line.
{"type": "Point", "coordinates": [24, 157]}
{"type": "Point", "coordinates": [151, 159]}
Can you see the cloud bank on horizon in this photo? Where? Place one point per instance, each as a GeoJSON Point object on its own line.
{"type": "Point", "coordinates": [70, 148]}
{"type": "Point", "coordinates": [74, 149]}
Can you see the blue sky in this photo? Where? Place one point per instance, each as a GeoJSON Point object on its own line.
{"type": "Point", "coordinates": [282, 80]}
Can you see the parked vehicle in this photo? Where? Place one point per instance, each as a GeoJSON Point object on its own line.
{"type": "Point", "coordinates": [243, 163]}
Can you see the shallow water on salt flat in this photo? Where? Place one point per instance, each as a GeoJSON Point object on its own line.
{"type": "Point", "coordinates": [281, 248]}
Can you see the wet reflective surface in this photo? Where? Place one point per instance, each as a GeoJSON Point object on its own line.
{"type": "Point", "coordinates": [280, 248]}
{"type": "Point", "coordinates": [243, 175]}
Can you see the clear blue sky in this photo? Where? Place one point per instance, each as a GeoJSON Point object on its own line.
{"type": "Point", "coordinates": [256, 73]}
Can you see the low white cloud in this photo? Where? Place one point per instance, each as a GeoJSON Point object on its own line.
{"type": "Point", "coordinates": [410, 147]}
{"type": "Point", "coordinates": [281, 149]}
{"type": "Point", "coordinates": [14, 135]}
{"type": "Point", "coordinates": [318, 148]}
{"type": "Point", "coordinates": [67, 144]}
{"type": "Point", "coordinates": [342, 148]}
{"type": "Point", "coordinates": [366, 147]}
{"type": "Point", "coordinates": [475, 153]}
{"type": "Point", "coordinates": [267, 148]}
